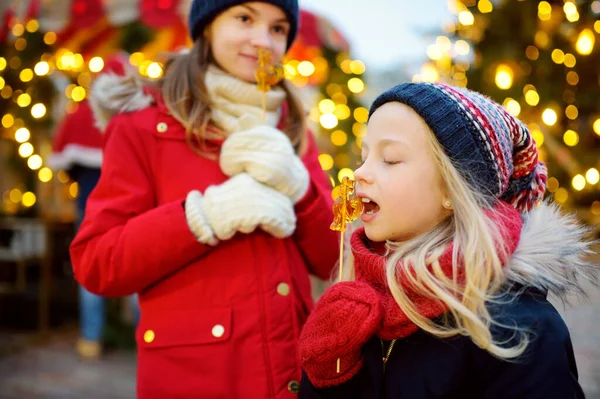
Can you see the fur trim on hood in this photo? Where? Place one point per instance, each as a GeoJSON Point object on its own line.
{"type": "Point", "coordinates": [553, 254]}
{"type": "Point", "coordinates": [112, 94]}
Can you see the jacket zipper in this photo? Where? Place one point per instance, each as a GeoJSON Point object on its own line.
{"type": "Point", "coordinates": [386, 356]}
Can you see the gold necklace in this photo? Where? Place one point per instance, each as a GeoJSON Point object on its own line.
{"type": "Point", "coordinates": [389, 352]}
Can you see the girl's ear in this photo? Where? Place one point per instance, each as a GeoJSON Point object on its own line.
{"type": "Point", "coordinates": [447, 204]}
{"type": "Point", "coordinates": [446, 201]}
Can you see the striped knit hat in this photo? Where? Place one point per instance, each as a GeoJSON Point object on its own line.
{"type": "Point", "coordinates": [492, 149]}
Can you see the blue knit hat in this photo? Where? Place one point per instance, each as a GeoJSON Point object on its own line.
{"type": "Point", "coordinates": [204, 11]}
{"type": "Point", "coordinates": [492, 149]}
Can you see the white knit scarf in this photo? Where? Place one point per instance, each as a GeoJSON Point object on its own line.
{"type": "Point", "coordinates": [233, 98]}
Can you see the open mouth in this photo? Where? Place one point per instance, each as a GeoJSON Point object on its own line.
{"type": "Point", "coordinates": [370, 206]}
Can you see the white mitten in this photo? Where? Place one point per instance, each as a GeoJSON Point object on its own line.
{"type": "Point", "coordinates": [266, 154]}
{"type": "Point", "coordinates": [243, 204]}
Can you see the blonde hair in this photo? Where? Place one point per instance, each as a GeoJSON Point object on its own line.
{"type": "Point", "coordinates": [186, 96]}
{"type": "Point", "coordinates": [473, 234]}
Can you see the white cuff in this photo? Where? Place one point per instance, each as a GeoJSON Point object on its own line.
{"type": "Point", "coordinates": [196, 219]}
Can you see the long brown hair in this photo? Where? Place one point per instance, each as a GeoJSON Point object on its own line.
{"type": "Point", "coordinates": [187, 98]}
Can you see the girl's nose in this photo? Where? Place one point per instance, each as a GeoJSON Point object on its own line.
{"type": "Point", "coordinates": [261, 37]}
{"type": "Point", "coordinates": [362, 175]}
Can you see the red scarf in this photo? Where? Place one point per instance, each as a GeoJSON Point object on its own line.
{"type": "Point", "coordinates": [370, 268]}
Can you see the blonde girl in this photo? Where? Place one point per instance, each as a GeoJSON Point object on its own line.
{"type": "Point", "coordinates": [447, 292]}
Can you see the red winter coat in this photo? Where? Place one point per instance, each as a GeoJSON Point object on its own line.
{"type": "Point", "coordinates": [216, 322]}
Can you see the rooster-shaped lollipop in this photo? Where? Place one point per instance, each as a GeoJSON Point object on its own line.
{"type": "Point", "coordinates": [267, 74]}
{"type": "Point", "coordinates": [346, 209]}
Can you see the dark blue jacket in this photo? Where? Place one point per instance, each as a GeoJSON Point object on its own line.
{"type": "Point", "coordinates": [424, 367]}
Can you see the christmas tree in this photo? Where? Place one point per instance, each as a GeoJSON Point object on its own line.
{"type": "Point", "coordinates": [340, 114]}
{"type": "Point", "coordinates": [27, 94]}
{"type": "Point", "coordinates": [320, 59]}
{"type": "Point", "coordinates": [47, 63]}
{"type": "Point", "coordinates": [538, 59]}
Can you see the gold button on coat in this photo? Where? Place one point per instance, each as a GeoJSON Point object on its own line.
{"type": "Point", "coordinates": [218, 331]}
{"type": "Point", "coordinates": [294, 387]}
{"type": "Point", "coordinates": [161, 127]}
{"type": "Point", "coordinates": [149, 336]}
{"type": "Point", "coordinates": [283, 289]}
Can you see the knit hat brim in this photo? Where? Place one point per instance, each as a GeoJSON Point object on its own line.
{"type": "Point", "coordinates": [204, 12]}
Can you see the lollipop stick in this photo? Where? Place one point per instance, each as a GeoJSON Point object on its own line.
{"type": "Point", "coordinates": [341, 268]}
{"type": "Point", "coordinates": [264, 107]}
{"type": "Point", "coordinates": [341, 255]}
{"type": "Point", "coordinates": [339, 361]}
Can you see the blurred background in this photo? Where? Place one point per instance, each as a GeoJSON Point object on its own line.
{"type": "Point", "coordinates": [539, 59]}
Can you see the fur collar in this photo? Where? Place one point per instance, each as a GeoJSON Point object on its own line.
{"type": "Point", "coordinates": [112, 94]}
{"type": "Point", "coordinates": [553, 254]}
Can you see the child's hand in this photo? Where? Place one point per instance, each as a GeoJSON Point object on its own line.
{"type": "Point", "coordinates": [240, 204]}
{"type": "Point", "coordinates": [345, 318]}
{"type": "Point", "coordinates": [266, 154]}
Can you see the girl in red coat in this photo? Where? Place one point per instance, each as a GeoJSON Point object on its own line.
{"type": "Point", "coordinates": [213, 217]}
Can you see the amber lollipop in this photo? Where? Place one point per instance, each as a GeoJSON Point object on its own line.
{"type": "Point", "coordinates": [346, 208]}
{"type": "Point", "coordinates": [267, 75]}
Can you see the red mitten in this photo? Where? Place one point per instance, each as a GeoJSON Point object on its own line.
{"type": "Point", "coordinates": [345, 318]}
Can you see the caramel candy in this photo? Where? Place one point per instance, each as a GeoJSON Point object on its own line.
{"type": "Point", "coordinates": [346, 207]}
{"type": "Point", "coordinates": [267, 74]}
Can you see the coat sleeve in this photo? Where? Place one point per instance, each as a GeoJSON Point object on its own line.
{"type": "Point", "coordinates": [126, 242]}
{"type": "Point", "coordinates": [547, 368]}
{"type": "Point", "coordinates": [317, 242]}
